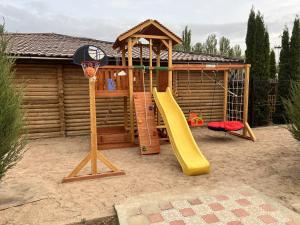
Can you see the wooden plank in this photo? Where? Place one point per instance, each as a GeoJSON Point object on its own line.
{"type": "Point", "coordinates": [150, 64]}
{"type": "Point", "coordinates": [93, 176]}
{"type": "Point", "coordinates": [170, 64]}
{"type": "Point", "coordinates": [225, 95]}
{"type": "Point", "coordinates": [149, 36]}
{"type": "Point", "coordinates": [246, 98]}
{"type": "Point", "coordinates": [130, 83]}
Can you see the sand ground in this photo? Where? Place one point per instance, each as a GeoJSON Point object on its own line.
{"type": "Point", "coordinates": [270, 165]}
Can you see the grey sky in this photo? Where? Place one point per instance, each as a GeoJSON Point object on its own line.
{"type": "Point", "coordinates": [104, 20]}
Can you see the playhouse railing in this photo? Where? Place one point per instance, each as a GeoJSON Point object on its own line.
{"type": "Point", "coordinates": [113, 82]}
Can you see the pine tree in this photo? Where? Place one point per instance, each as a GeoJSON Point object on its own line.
{"type": "Point", "coordinates": [11, 117]}
{"type": "Point", "coordinates": [295, 51]}
{"type": "Point", "coordinates": [283, 78]}
{"type": "Point", "coordinates": [292, 108]}
{"type": "Point", "coordinates": [250, 39]}
{"type": "Point", "coordinates": [272, 65]}
{"type": "Point", "coordinates": [261, 75]}
{"type": "Point", "coordinates": [224, 46]}
{"type": "Point", "coordinates": [186, 39]}
{"type": "Point", "coordinates": [250, 59]}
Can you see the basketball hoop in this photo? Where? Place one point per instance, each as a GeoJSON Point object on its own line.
{"type": "Point", "coordinates": [90, 58]}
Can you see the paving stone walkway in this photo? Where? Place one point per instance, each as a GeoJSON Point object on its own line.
{"type": "Point", "coordinates": [231, 206]}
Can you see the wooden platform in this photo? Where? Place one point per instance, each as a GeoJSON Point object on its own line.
{"type": "Point", "coordinates": [148, 136]}
{"type": "Point", "coordinates": [113, 137]}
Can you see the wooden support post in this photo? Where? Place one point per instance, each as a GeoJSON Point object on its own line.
{"type": "Point", "coordinates": [93, 125]}
{"type": "Point", "coordinates": [150, 65]}
{"type": "Point", "coordinates": [170, 64]}
{"type": "Point", "coordinates": [246, 97]}
{"type": "Point", "coordinates": [157, 79]}
{"type": "Point", "coordinates": [130, 85]}
{"type": "Point", "coordinates": [125, 98]}
{"type": "Point", "coordinates": [60, 89]}
{"type": "Point", "coordinates": [225, 95]}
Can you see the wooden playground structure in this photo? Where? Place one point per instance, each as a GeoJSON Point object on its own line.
{"type": "Point", "coordinates": [128, 81]}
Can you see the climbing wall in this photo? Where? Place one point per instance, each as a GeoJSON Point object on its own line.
{"type": "Point", "coordinates": [144, 112]}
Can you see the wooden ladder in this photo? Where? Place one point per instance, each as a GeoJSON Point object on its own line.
{"type": "Point", "coordinates": [144, 112]}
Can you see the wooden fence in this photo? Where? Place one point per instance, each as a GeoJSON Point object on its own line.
{"type": "Point", "coordinates": [56, 101]}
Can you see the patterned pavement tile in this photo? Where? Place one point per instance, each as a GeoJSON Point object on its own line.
{"type": "Point", "coordinates": [210, 218]}
{"type": "Point", "coordinates": [177, 222]}
{"type": "Point", "coordinates": [194, 220]}
{"type": "Point", "coordinates": [202, 209]}
{"type": "Point", "coordinates": [171, 214]}
{"type": "Point", "coordinates": [155, 218]}
{"type": "Point", "coordinates": [195, 201]}
{"type": "Point", "coordinates": [267, 219]}
{"type": "Point", "coordinates": [181, 204]}
{"type": "Point", "coordinates": [216, 206]}
{"type": "Point", "coordinates": [187, 212]}
{"type": "Point", "coordinates": [221, 197]}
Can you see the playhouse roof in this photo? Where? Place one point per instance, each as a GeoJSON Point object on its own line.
{"type": "Point", "coordinates": [148, 27]}
{"type": "Point", "coordinates": [57, 46]}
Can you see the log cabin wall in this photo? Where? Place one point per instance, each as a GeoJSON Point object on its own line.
{"type": "Point", "coordinates": [56, 101]}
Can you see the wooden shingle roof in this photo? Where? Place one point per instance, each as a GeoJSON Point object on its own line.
{"type": "Point", "coordinates": [51, 45]}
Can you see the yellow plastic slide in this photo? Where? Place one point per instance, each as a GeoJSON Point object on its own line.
{"type": "Point", "coordinates": [188, 154]}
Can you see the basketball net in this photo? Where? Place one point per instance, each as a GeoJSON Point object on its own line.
{"type": "Point", "coordinates": [90, 69]}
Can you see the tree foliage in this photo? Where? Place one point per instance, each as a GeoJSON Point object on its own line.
{"type": "Point", "coordinates": [284, 78]}
{"type": "Point", "coordinates": [292, 108]}
{"type": "Point", "coordinates": [272, 65]}
{"type": "Point", "coordinates": [295, 51]}
{"type": "Point", "coordinates": [257, 54]}
{"type": "Point", "coordinates": [199, 48]}
{"type": "Point", "coordinates": [211, 44]}
{"type": "Point", "coordinates": [11, 117]}
{"type": "Point", "coordinates": [237, 51]}
{"type": "Point", "coordinates": [224, 46]}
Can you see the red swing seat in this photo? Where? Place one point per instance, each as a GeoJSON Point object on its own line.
{"type": "Point", "coordinates": [225, 126]}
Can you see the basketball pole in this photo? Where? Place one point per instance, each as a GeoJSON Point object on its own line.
{"type": "Point", "coordinates": [94, 154]}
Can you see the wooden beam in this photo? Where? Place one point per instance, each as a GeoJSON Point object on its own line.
{"type": "Point", "coordinates": [93, 176]}
{"type": "Point", "coordinates": [157, 79]}
{"type": "Point", "coordinates": [147, 36]}
{"type": "Point", "coordinates": [246, 97]}
{"type": "Point", "coordinates": [132, 31]}
{"type": "Point", "coordinates": [60, 89]}
{"type": "Point", "coordinates": [93, 125]}
{"type": "Point", "coordinates": [125, 97]}
{"type": "Point", "coordinates": [130, 84]}
{"type": "Point", "coordinates": [250, 132]}
{"type": "Point", "coordinates": [135, 41]}
{"type": "Point", "coordinates": [199, 67]}
{"type": "Point", "coordinates": [150, 65]}
{"type": "Point", "coordinates": [170, 64]}
{"type": "Point", "coordinates": [166, 44]}
{"type": "Point", "coordinates": [225, 95]}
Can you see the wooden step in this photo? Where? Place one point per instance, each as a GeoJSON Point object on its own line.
{"type": "Point", "coordinates": [144, 111]}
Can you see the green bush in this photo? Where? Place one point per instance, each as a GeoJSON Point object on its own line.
{"type": "Point", "coordinates": [292, 107]}
{"type": "Point", "coordinates": [12, 138]}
